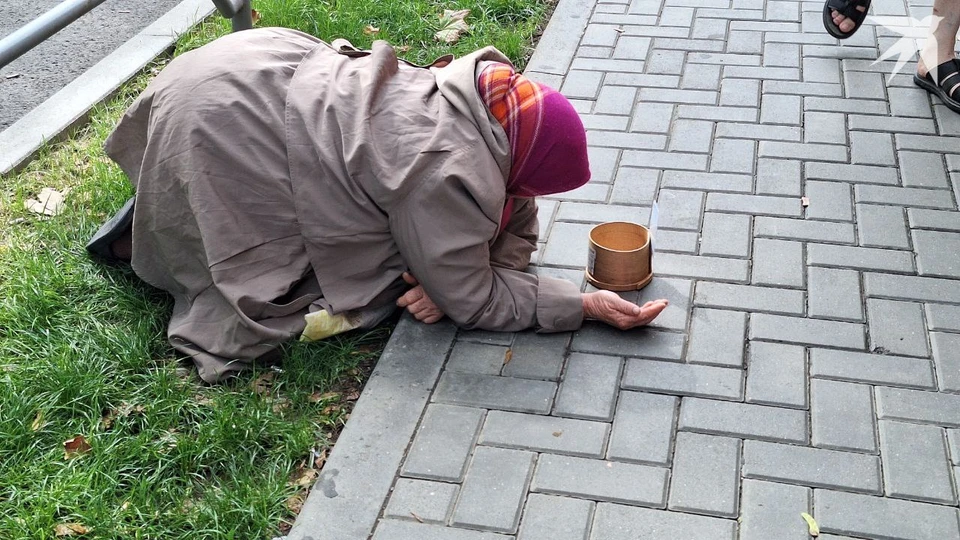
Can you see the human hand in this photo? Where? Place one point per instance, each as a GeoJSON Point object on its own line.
{"type": "Point", "coordinates": [608, 307]}
{"type": "Point", "coordinates": [418, 303]}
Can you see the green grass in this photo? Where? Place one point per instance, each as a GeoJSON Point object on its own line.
{"type": "Point", "coordinates": [83, 352]}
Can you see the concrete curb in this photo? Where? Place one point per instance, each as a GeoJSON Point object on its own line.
{"type": "Point", "coordinates": [69, 107]}
{"type": "Point", "coordinates": [347, 499]}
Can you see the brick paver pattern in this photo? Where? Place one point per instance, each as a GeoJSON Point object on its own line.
{"type": "Point", "coordinates": [810, 358]}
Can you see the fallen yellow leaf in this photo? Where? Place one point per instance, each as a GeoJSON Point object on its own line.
{"type": "Point", "coordinates": [70, 529]}
{"type": "Point", "coordinates": [812, 526]}
{"type": "Point", "coordinates": [75, 446]}
{"type": "Point", "coordinates": [370, 30]}
{"type": "Point", "coordinates": [37, 422]}
{"type": "Point", "coordinates": [452, 24]}
{"type": "Point", "coordinates": [507, 356]}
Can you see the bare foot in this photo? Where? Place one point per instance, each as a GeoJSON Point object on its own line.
{"type": "Point", "coordinates": [844, 23]}
{"type": "Point", "coordinates": [923, 69]}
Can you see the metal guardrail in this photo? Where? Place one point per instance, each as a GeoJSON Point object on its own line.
{"type": "Point", "coordinates": [51, 22]}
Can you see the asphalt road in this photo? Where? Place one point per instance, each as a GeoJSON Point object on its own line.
{"type": "Point", "coordinates": [40, 73]}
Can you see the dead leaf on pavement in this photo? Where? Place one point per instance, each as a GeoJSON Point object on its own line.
{"type": "Point", "coordinates": [70, 529]}
{"type": "Point", "coordinates": [370, 30]}
{"type": "Point", "coordinates": [48, 203]}
{"type": "Point", "coordinates": [75, 446]}
{"type": "Point", "coordinates": [812, 526]}
{"type": "Point", "coordinates": [452, 24]}
{"type": "Point", "coordinates": [263, 383]}
{"type": "Point", "coordinates": [37, 422]}
{"type": "Point", "coordinates": [507, 356]}
{"type": "Point", "coordinates": [557, 433]}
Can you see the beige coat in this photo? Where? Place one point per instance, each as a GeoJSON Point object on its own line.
{"type": "Point", "coordinates": [276, 176]}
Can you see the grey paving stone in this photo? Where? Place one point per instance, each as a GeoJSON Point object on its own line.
{"type": "Point", "coordinates": [834, 294]}
{"type": "Point", "coordinates": [485, 336]}
{"type": "Point", "coordinates": [680, 209]}
{"type": "Point", "coordinates": [443, 443]}
{"type": "Point", "coordinates": [780, 109]}
{"type": "Point", "coordinates": [600, 213]}
{"type": "Point", "coordinates": [733, 155]}
{"type": "Point", "coordinates": [588, 192]}
{"type": "Point", "coordinates": [811, 466]}
{"type": "Point", "coordinates": [915, 197]}
{"type": "Point", "coordinates": [612, 139]}
{"type": "Point", "coordinates": [911, 287]}
{"type": "Point", "coordinates": [829, 200]}
{"type": "Point", "coordinates": [821, 70]}
{"type": "Point", "coordinates": [537, 356]}
{"type": "Point", "coordinates": [593, 51]}
{"type": "Point", "coordinates": [678, 293]}
{"type": "Point", "coordinates": [691, 136]}
{"type": "Point", "coordinates": [802, 88]}
{"type": "Point", "coordinates": [684, 44]}
{"type": "Point", "coordinates": [707, 181]}
{"type": "Point", "coordinates": [778, 177]}
{"type": "Point", "coordinates": [635, 186]}
{"type": "Point", "coordinates": [632, 48]}
{"type": "Point", "coordinates": [683, 379]}
{"type": "Point", "coordinates": [664, 160]}
{"type": "Point", "coordinates": [605, 122]}
{"type": "Point", "coordinates": [476, 358]}
{"type": "Point", "coordinates": [428, 501]}
{"type": "Point", "coordinates": [753, 204]}
{"type": "Point", "coordinates": [716, 337]}
{"type": "Point", "coordinates": [615, 100]}
{"type": "Point", "coordinates": [643, 428]}
{"type": "Point", "coordinates": [582, 84]}
{"type": "Point", "coordinates": [804, 151]}
{"type": "Point", "coordinates": [882, 226]}
{"type": "Point", "coordinates": [544, 433]}
{"type": "Point", "coordinates": [801, 229]}
{"type": "Point", "coordinates": [618, 522]}
{"type": "Point", "coordinates": [934, 219]}
{"type": "Point", "coordinates": [675, 242]}
{"type": "Point", "coordinates": [567, 245]}
{"type": "Point", "coordinates": [601, 480]}
{"type": "Point", "coordinates": [603, 35]}
{"type": "Point", "coordinates": [943, 317]}
{"type": "Point", "coordinates": [589, 388]}
{"type": "Point", "coordinates": [700, 267]}
{"type": "Point", "coordinates": [603, 163]}
{"type": "Point", "coordinates": [842, 417]}
{"type": "Point", "coordinates": [781, 54]}
{"type": "Point", "coordinates": [845, 105]}
{"type": "Point", "coordinates": [749, 298]}
{"type": "Point", "coordinates": [871, 148]}
{"type": "Point", "coordinates": [652, 117]}
{"type": "Point", "coordinates": [915, 405]}
{"type": "Point", "coordinates": [938, 253]}
{"type": "Point", "coordinates": [908, 102]}
{"type": "Point", "coordinates": [663, 62]}
{"type": "Point", "coordinates": [718, 114]}
{"type": "Point", "coordinates": [946, 356]}
{"type": "Point", "coordinates": [915, 462]}
{"type": "Point", "coordinates": [546, 517]}
{"type": "Point", "coordinates": [776, 375]}
{"type": "Point", "coordinates": [709, 29]}
{"type": "Point", "coordinates": [490, 392]}
{"type": "Point", "coordinates": [856, 174]}
{"type": "Point", "coordinates": [824, 127]}
{"type": "Point", "coordinates": [706, 475]}
{"type": "Point", "coordinates": [891, 124]}
{"type": "Point", "coordinates": [599, 338]}
{"type": "Point", "coordinates": [739, 92]}
{"type": "Point", "coordinates": [745, 42]}
{"type": "Point", "coordinates": [860, 258]}
{"type": "Point", "coordinates": [725, 235]}
{"type": "Point", "coordinates": [392, 529]}
{"type": "Point", "coordinates": [706, 77]}
{"type": "Point", "coordinates": [807, 331]}
{"type": "Point", "coordinates": [923, 169]}
{"type": "Point", "coordinates": [777, 262]}
{"type": "Point", "coordinates": [771, 510]}
{"type": "Point", "coordinates": [865, 85]}
{"type": "Point", "coordinates": [743, 420]}
{"type": "Point", "coordinates": [880, 517]}
{"type": "Point", "coordinates": [953, 440]}
{"type": "Point", "coordinates": [494, 489]}
{"type": "Point", "coordinates": [730, 130]}
{"type": "Point", "coordinates": [897, 327]}
{"type": "Point", "coordinates": [766, 73]}
{"type": "Point", "coordinates": [871, 368]}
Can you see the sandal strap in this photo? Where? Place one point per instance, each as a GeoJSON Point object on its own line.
{"type": "Point", "coordinates": [848, 8]}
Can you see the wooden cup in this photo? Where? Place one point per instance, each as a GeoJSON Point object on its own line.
{"type": "Point", "coordinates": [619, 257]}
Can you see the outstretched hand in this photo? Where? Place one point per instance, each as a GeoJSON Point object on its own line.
{"type": "Point", "coordinates": [418, 303]}
{"type": "Point", "coordinates": [610, 308]}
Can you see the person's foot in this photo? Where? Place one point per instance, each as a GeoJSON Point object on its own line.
{"type": "Point", "coordinates": [844, 23]}
{"type": "Point", "coordinates": [922, 68]}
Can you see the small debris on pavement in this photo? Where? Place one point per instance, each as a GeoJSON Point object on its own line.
{"type": "Point", "coordinates": [804, 201]}
{"type": "Point", "coordinates": [814, 529]}
{"type": "Point", "coordinates": [507, 356]}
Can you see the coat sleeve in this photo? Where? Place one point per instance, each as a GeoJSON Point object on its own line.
{"type": "Point", "coordinates": [444, 237]}
{"type": "Point", "coordinates": [518, 240]}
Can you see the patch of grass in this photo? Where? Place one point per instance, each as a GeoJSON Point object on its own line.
{"type": "Point", "coordinates": [83, 348]}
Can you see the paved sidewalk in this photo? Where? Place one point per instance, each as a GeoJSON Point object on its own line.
{"type": "Point", "coordinates": [810, 358]}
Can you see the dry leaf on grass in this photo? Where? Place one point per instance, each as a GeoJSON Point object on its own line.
{"type": "Point", "coordinates": [75, 446]}
{"type": "Point", "coordinates": [37, 422]}
{"type": "Point", "coordinates": [352, 396]}
{"type": "Point", "coordinates": [263, 383]}
{"type": "Point", "coordinates": [319, 458]}
{"type": "Point", "coordinates": [305, 478]}
{"type": "Point", "coordinates": [295, 503]}
{"type": "Point", "coordinates": [70, 529]}
{"type": "Point", "coordinates": [255, 16]}
{"type": "Point", "coordinates": [370, 30]}
{"type": "Point", "coordinates": [452, 24]}
{"type": "Point", "coordinates": [812, 526]}
{"type": "Point", "coordinates": [402, 49]}
{"type": "Point", "coordinates": [48, 203]}
{"type": "Point", "coordinates": [317, 398]}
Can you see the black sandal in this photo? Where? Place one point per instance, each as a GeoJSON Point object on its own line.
{"type": "Point", "coordinates": [948, 86]}
{"type": "Point", "coordinates": [110, 231]}
{"type": "Point", "coordinates": [847, 8]}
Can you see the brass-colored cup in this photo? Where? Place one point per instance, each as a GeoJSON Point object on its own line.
{"type": "Point", "coordinates": [619, 257]}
